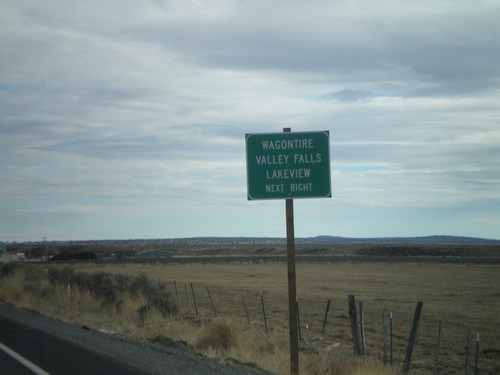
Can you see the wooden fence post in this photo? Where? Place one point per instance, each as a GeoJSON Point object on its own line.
{"type": "Point", "coordinates": [438, 346]}
{"type": "Point", "coordinates": [263, 310]}
{"type": "Point", "coordinates": [390, 317]}
{"type": "Point", "coordinates": [467, 351]}
{"type": "Point", "coordinates": [187, 296]}
{"type": "Point", "coordinates": [354, 324]}
{"type": "Point", "coordinates": [476, 372]}
{"type": "Point", "coordinates": [326, 314]}
{"type": "Point", "coordinates": [386, 328]}
{"type": "Point", "coordinates": [177, 294]}
{"type": "Point", "coordinates": [194, 300]}
{"type": "Point", "coordinates": [246, 310]}
{"type": "Point", "coordinates": [413, 337]}
{"type": "Point", "coordinates": [161, 285]}
{"type": "Point", "coordinates": [211, 302]}
{"type": "Point", "coordinates": [362, 327]}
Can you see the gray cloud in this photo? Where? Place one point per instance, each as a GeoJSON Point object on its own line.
{"type": "Point", "coordinates": [135, 114]}
{"type": "Point", "coordinates": [446, 46]}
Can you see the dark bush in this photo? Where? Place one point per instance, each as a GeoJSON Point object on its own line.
{"type": "Point", "coordinates": [140, 286]}
{"type": "Point", "coordinates": [123, 282]}
{"type": "Point", "coordinates": [163, 302]}
{"type": "Point", "coordinates": [58, 276]}
{"type": "Point", "coordinates": [142, 311]}
{"type": "Point", "coordinates": [33, 277]}
{"type": "Point", "coordinates": [106, 287]}
{"type": "Point", "coordinates": [83, 281]}
{"type": "Point", "coordinates": [110, 288]}
{"type": "Point", "coordinates": [101, 285]}
{"type": "Point", "coordinates": [9, 269]}
{"type": "Point", "coordinates": [159, 301]}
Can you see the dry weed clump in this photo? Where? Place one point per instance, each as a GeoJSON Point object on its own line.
{"type": "Point", "coordinates": [219, 336]}
{"type": "Point", "coordinates": [228, 337]}
{"type": "Point", "coordinates": [317, 364]}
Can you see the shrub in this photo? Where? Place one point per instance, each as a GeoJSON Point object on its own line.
{"type": "Point", "coordinates": [110, 289]}
{"type": "Point", "coordinates": [163, 302]}
{"type": "Point", "coordinates": [220, 336]}
{"type": "Point", "coordinates": [58, 276]}
{"type": "Point", "coordinates": [123, 282]}
{"type": "Point", "coordinates": [34, 277]}
{"type": "Point", "coordinates": [140, 286]}
{"type": "Point", "coordinates": [9, 269]}
{"type": "Point", "coordinates": [103, 286]}
{"type": "Point", "coordinates": [84, 281]}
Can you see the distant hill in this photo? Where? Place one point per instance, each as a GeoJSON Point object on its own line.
{"type": "Point", "coordinates": [436, 240]}
{"type": "Point", "coordinates": [430, 246]}
{"type": "Point", "coordinates": [131, 246]}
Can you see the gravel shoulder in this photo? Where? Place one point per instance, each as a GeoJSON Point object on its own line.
{"type": "Point", "coordinates": [163, 356]}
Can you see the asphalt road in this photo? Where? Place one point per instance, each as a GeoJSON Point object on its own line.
{"type": "Point", "coordinates": [61, 348]}
{"type": "Point", "coordinates": [8, 365]}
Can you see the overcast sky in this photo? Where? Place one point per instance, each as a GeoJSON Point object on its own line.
{"type": "Point", "coordinates": [126, 119]}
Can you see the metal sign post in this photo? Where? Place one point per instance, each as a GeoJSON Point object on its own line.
{"type": "Point", "coordinates": [292, 285]}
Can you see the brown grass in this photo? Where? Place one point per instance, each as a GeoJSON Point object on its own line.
{"type": "Point", "coordinates": [219, 335]}
{"type": "Point", "coordinates": [462, 296]}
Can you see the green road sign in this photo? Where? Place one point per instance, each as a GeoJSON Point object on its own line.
{"type": "Point", "coordinates": [288, 165]}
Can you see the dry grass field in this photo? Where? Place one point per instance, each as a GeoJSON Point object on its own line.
{"type": "Point", "coordinates": [463, 297]}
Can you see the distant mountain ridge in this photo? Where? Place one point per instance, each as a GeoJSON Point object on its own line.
{"type": "Point", "coordinates": [436, 239]}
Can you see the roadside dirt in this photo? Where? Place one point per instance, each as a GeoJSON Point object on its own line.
{"type": "Point", "coordinates": [159, 356]}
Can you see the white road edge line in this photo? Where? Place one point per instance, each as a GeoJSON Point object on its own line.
{"type": "Point", "coordinates": [37, 370]}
